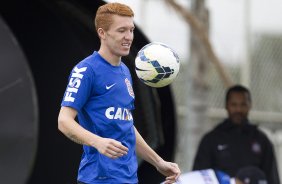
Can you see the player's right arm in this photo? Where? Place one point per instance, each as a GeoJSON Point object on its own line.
{"type": "Point", "coordinates": [70, 128]}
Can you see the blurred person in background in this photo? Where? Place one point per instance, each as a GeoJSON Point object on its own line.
{"type": "Point", "coordinates": [251, 175]}
{"type": "Point", "coordinates": [246, 175]}
{"type": "Point", "coordinates": [206, 176]}
{"type": "Point", "coordinates": [236, 143]}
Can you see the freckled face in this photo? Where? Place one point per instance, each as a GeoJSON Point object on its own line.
{"type": "Point", "coordinates": [238, 107]}
{"type": "Point", "coordinates": [119, 37]}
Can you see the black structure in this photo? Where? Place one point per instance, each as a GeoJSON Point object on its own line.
{"type": "Point", "coordinates": [40, 42]}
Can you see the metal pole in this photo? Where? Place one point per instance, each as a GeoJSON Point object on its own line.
{"type": "Point", "coordinates": [246, 66]}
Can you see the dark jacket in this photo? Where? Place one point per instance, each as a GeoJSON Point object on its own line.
{"type": "Point", "coordinates": [229, 147]}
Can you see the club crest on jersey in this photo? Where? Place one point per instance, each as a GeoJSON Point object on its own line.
{"type": "Point", "coordinates": [256, 148]}
{"type": "Point", "coordinates": [74, 83]}
{"type": "Point", "coordinates": [129, 88]}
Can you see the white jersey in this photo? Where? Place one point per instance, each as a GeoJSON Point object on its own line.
{"type": "Point", "coordinates": [207, 176]}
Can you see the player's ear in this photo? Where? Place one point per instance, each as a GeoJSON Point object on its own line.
{"type": "Point", "coordinates": [101, 33]}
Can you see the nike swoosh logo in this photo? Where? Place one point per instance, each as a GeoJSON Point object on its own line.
{"type": "Point", "coordinates": [109, 87]}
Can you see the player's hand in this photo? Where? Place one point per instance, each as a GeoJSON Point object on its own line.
{"type": "Point", "coordinates": [111, 148]}
{"type": "Point", "coordinates": [170, 170]}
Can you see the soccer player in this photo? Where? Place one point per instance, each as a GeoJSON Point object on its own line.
{"type": "Point", "coordinates": [100, 94]}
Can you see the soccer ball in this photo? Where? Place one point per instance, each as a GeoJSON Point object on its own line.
{"type": "Point", "coordinates": [156, 64]}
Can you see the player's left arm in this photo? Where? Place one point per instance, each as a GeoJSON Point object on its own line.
{"type": "Point", "coordinates": [168, 169]}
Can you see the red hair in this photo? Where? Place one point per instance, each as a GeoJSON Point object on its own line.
{"type": "Point", "coordinates": [104, 14]}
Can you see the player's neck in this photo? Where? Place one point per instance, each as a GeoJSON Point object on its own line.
{"type": "Point", "coordinates": [109, 57]}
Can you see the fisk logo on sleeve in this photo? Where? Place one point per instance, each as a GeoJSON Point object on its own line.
{"type": "Point", "coordinates": [74, 83]}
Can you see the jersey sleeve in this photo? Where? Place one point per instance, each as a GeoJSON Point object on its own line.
{"type": "Point", "coordinates": [79, 87]}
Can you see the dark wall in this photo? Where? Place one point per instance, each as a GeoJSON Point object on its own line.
{"type": "Point", "coordinates": [54, 36]}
